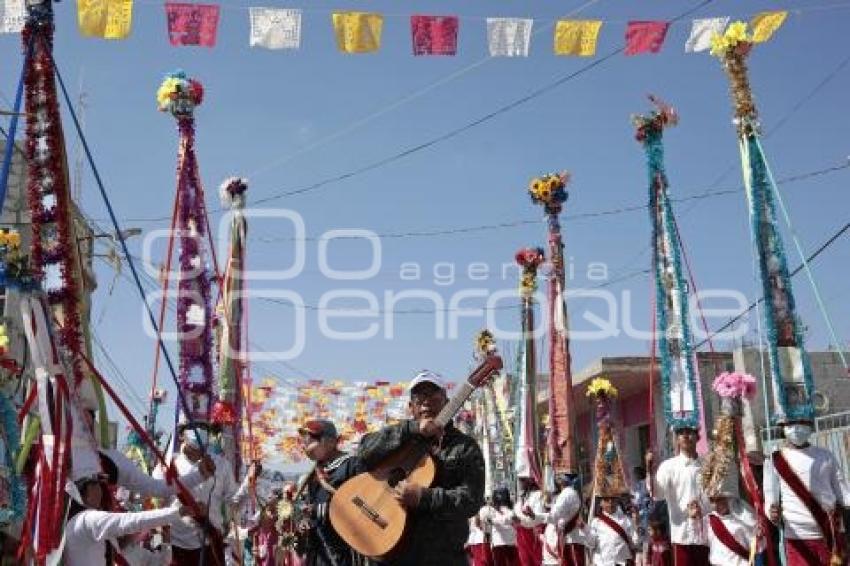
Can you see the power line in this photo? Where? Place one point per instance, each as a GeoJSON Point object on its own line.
{"type": "Point", "coordinates": [841, 231]}
{"type": "Point", "coordinates": [710, 193]}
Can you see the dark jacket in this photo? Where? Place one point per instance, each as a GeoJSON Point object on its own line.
{"type": "Point", "coordinates": [439, 526]}
{"type": "Point", "coordinates": [324, 547]}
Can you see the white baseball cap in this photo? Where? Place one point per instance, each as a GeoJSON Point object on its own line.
{"type": "Point", "coordinates": [426, 376]}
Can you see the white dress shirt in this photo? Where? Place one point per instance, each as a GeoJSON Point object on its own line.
{"type": "Point", "coordinates": [818, 469]}
{"type": "Point", "coordinates": [532, 500]}
{"type": "Point", "coordinates": [677, 482]}
{"type": "Point", "coordinates": [476, 533]}
{"type": "Point", "coordinates": [138, 555]}
{"type": "Point", "coordinates": [566, 506]}
{"type": "Point", "coordinates": [88, 531]}
{"type": "Point", "coordinates": [609, 548]}
{"type": "Point", "coordinates": [501, 522]}
{"type": "Point", "coordinates": [131, 477]}
{"type": "Point", "coordinates": [742, 526]}
{"type": "Point", "coordinates": [216, 492]}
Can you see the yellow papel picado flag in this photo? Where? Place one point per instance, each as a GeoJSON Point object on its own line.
{"type": "Point", "coordinates": [358, 32]}
{"type": "Point", "coordinates": [577, 37]}
{"type": "Point", "coordinates": [109, 19]}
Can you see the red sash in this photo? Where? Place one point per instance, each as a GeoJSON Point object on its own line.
{"type": "Point", "coordinates": [724, 536]}
{"type": "Point", "coordinates": [796, 484]}
{"type": "Point", "coordinates": [615, 526]}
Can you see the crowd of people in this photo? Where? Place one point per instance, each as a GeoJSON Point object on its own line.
{"type": "Point", "coordinates": [668, 517]}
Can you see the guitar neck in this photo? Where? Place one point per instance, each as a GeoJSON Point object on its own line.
{"type": "Point", "coordinates": [455, 403]}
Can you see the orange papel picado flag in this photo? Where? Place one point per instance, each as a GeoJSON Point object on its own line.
{"type": "Point", "coordinates": [577, 37]}
{"type": "Point", "coordinates": [766, 23]}
{"type": "Point", "coordinates": [358, 32]}
{"type": "Point", "coordinates": [109, 19]}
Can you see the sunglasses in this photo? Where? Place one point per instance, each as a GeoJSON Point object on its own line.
{"type": "Point", "coordinates": [421, 396]}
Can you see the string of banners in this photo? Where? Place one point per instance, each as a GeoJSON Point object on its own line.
{"type": "Point", "coordinates": [192, 24]}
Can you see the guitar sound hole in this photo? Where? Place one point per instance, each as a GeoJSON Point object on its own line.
{"type": "Point", "coordinates": [395, 476]}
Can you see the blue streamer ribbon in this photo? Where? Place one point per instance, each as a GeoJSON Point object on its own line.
{"type": "Point", "coordinates": [664, 227]}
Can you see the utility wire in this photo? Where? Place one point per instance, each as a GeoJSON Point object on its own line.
{"type": "Point", "coordinates": [832, 239]}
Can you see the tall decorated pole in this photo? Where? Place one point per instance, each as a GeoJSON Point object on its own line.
{"type": "Point", "coordinates": [55, 250]}
{"type": "Point", "coordinates": [497, 446]}
{"type": "Point", "coordinates": [227, 411]}
{"type": "Point", "coordinates": [792, 385]}
{"type": "Point", "coordinates": [527, 462]}
{"type": "Point", "coordinates": [550, 192]}
{"type": "Point", "coordinates": [180, 95]}
{"type": "Point", "coordinates": [681, 391]}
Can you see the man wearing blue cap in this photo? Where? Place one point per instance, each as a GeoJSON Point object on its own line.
{"type": "Point", "coordinates": [439, 514]}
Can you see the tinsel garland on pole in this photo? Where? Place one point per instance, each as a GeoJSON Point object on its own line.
{"type": "Point", "coordinates": [527, 460]}
{"type": "Point", "coordinates": [550, 192]}
{"type": "Point", "coordinates": [227, 411]}
{"type": "Point", "coordinates": [682, 398]}
{"type": "Point", "coordinates": [498, 454]}
{"type": "Point", "coordinates": [55, 247]}
{"type": "Point", "coordinates": [790, 369]}
{"type": "Point", "coordinates": [180, 95]}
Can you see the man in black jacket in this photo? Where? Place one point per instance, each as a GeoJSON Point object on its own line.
{"type": "Point", "coordinates": [324, 547]}
{"type": "Point", "coordinates": [439, 514]}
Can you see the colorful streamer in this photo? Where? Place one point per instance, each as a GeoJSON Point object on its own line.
{"type": "Point", "coordinates": [550, 192]}
{"type": "Point", "coordinates": [790, 368]}
{"type": "Point", "coordinates": [679, 377]}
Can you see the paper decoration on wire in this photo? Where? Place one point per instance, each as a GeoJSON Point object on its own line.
{"type": "Point", "coordinates": [702, 31]}
{"type": "Point", "coordinates": [192, 24]}
{"type": "Point", "coordinates": [12, 16]}
{"type": "Point", "coordinates": [358, 32]}
{"type": "Point", "coordinates": [109, 19]}
{"type": "Point", "coordinates": [645, 37]}
{"type": "Point", "coordinates": [434, 35]}
{"type": "Point", "coordinates": [765, 24]}
{"type": "Point", "coordinates": [509, 37]}
{"type": "Point", "coordinates": [577, 37]}
{"type": "Point", "coordinates": [275, 28]}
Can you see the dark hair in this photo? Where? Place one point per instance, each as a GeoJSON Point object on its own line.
{"type": "Point", "coordinates": [502, 498]}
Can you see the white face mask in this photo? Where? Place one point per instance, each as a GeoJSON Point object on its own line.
{"type": "Point", "coordinates": [797, 434]}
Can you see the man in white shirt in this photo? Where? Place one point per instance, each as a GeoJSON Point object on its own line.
{"type": "Point", "coordinates": [677, 483]}
{"type": "Point", "coordinates": [90, 534]}
{"type": "Point", "coordinates": [190, 541]}
{"type": "Point", "coordinates": [804, 491]}
{"type": "Point", "coordinates": [612, 535]}
{"type": "Point", "coordinates": [125, 473]}
{"type": "Point", "coordinates": [565, 538]}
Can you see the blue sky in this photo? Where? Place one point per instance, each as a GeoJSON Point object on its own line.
{"type": "Point", "coordinates": [289, 119]}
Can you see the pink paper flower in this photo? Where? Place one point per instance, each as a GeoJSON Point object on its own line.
{"type": "Point", "coordinates": [738, 385]}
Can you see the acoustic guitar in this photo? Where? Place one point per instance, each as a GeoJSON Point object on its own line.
{"type": "Point", "coordinates": [364, 511]}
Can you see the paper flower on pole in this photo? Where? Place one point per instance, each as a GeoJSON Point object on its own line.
{"type": "Point", "coordinates": [601, 387]}
{"type": "Point", "coordinates": [735, 385]}
{"type": "Point", "coordinates": [179, 94]}
{"type": "Point", "coordinates": [549, 190]}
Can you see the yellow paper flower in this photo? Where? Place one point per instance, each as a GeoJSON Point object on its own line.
{"type": "Point", "coordinates": [736, 33]}
{"type": "Point", "coordinates": [166, 91]}
{"type": "Point", "coordinates": [719, 44]}
{"type": "Point", "coordinates": [601, 387]}
{"type": "Point", "coordinates": [13, 239]}
{"type": "Point", "coordinates": [4, 339]}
